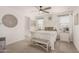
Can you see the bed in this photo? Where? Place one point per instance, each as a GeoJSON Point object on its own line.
{"type": "Point", "coordinates": [44, 37]}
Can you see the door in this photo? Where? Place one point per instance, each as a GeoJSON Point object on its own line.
{"type": "Point", "coordinates": [27, 27]}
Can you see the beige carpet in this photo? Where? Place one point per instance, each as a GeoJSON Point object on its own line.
{"type": "Point", "coordinates": [25, 47]}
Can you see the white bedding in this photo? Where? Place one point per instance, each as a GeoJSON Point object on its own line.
{"type": "Point", "coordinates": [47, 35]}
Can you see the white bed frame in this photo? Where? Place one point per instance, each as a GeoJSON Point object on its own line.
{"type": "Point", "coordinates": [47, 38]}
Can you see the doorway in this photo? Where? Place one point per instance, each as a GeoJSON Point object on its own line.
{"type": "Point", "coordinates": [65, 27]}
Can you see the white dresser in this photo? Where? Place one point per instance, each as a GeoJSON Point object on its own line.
{"type": "Point", "coordinates": [64, 36]}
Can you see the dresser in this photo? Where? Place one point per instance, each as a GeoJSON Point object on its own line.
{"type": "Point", "coordinates": [64, 36]}
{"type": "Point", "coordinates": [2, 43]}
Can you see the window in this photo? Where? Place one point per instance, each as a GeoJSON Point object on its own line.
{"type": "Point", "coordinates": [40, 24]}
{"type": "Point", "coordinates": [64, 21]}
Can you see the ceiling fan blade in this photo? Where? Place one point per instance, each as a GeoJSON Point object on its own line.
{"type": "Point", "coordinates": [44, 11]}
{"type": "Point", "coordinates": [40, 9]}
{"type": "Point", "coordinates": [47, 8]}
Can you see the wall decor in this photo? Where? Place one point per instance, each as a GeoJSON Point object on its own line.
{"type": "Point", "coordinates": [9, 20]}
{"type": "Point", "coordinates": [76, 19]}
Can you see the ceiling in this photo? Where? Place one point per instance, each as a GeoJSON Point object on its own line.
{"type": "Point", "coordinates": [33, 11]}
{"type": "Point", "coordinates": [55, 9]}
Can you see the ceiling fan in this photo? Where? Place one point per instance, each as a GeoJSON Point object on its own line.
{"type": "Point", "coordinates": [41, 8]}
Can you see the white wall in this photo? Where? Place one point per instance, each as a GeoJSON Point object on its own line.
{"type": "Point", "coordinates": [12, 34]}
{"type": "Point", "coordinates": [17, 33]}
{"type": "Point", "coordinates": [76, 37]}
{"type": "Point", "coordinates": [48, 22]}
{"type": "Point", "coordinates": [76, 30]}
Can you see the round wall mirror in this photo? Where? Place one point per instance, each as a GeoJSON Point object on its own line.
{"type": "Point", "coordinates": [9, 20]}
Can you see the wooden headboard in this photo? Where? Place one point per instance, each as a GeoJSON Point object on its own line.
{"type": "Point", "coordinates": [50, 29]}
